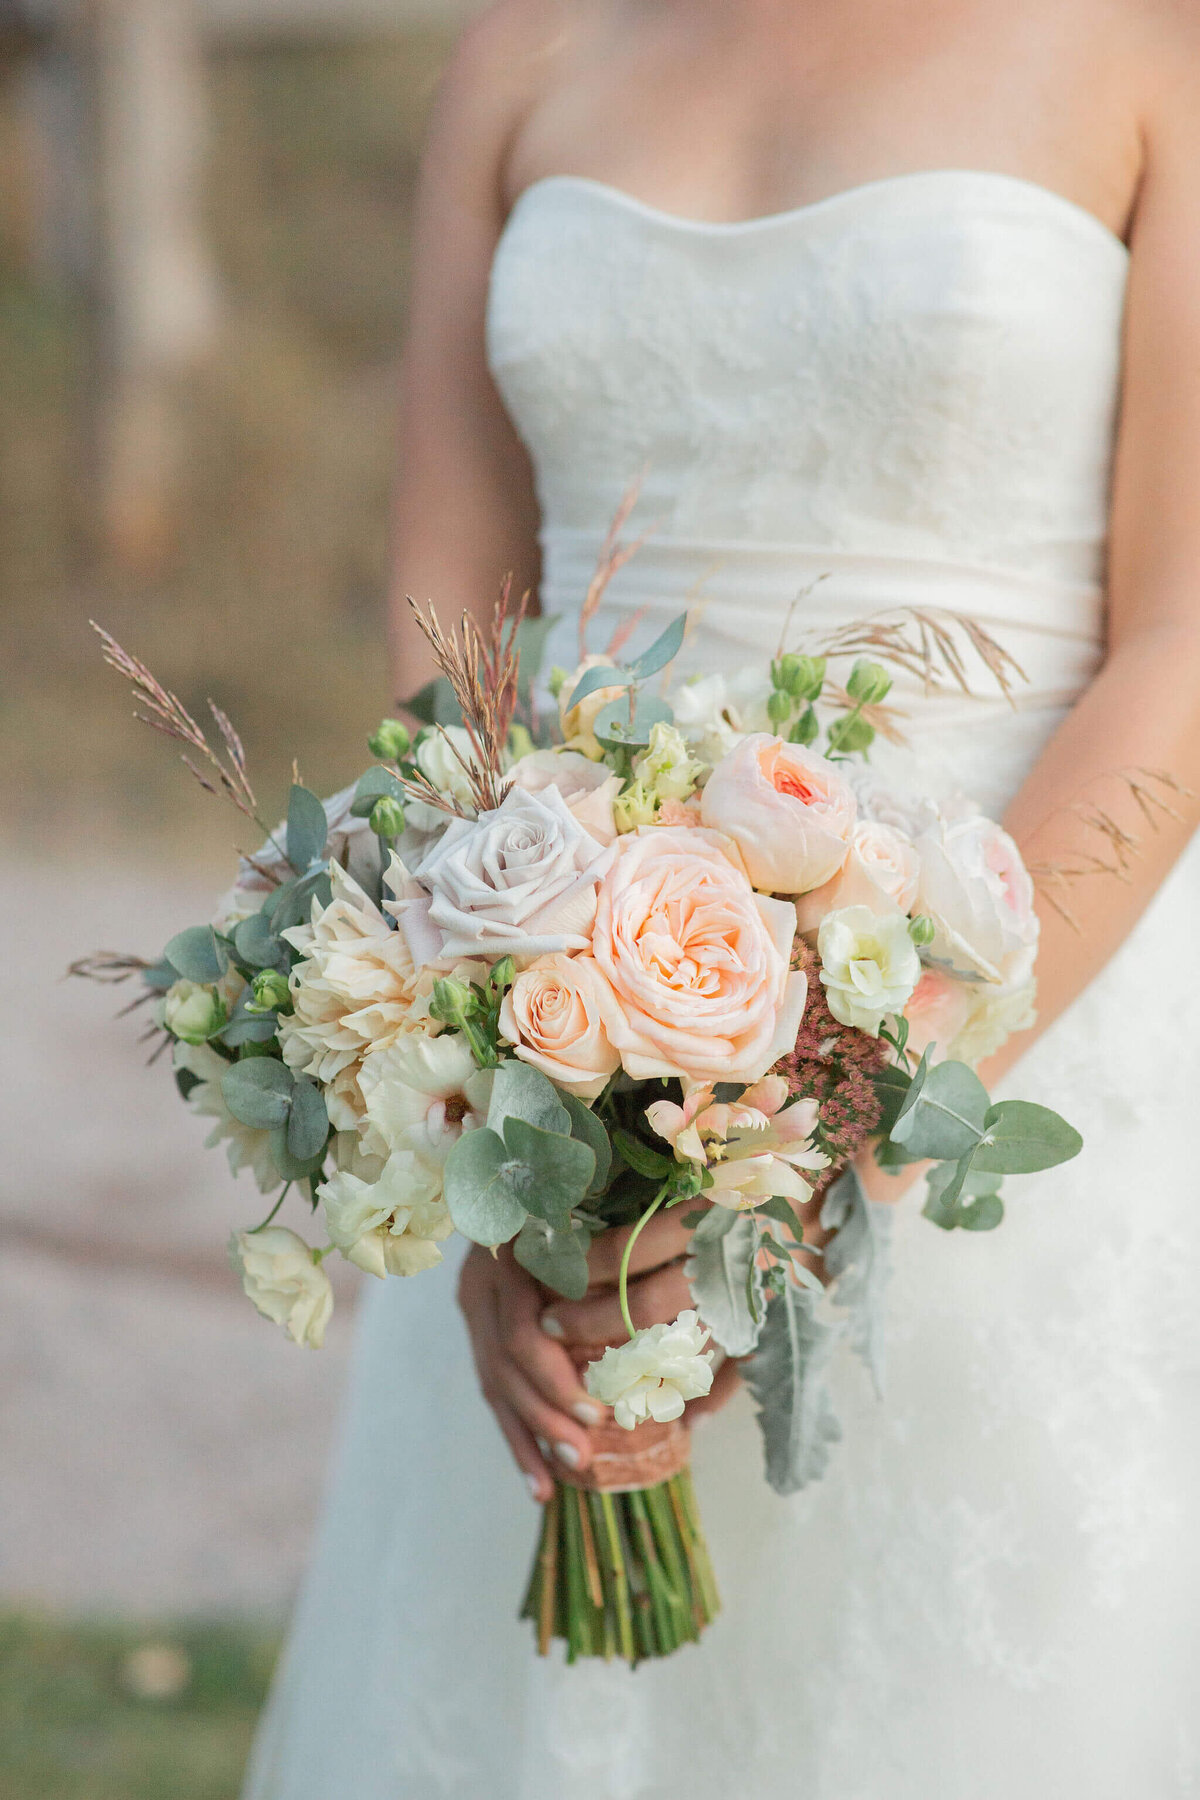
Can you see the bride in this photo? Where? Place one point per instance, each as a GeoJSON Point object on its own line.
{"type": "Point", "coordinates": [904, 294]}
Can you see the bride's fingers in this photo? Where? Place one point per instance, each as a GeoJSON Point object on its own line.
{"type": "Point", "coordinates": [568, 1442]}
{"type": "Point", "coordinates": [665, 1238]}
{"type": "Point", "coordinates": [653, 1300]}
{"type": "Point", "coordinates": [525, 1452]}
{"type": "Point", "coordinates": [544, 1363]}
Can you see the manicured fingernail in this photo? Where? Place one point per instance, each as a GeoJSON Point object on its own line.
{"type": "Point", "coordinates": [543, 1445]}
{"type": "Point", "coordinates": [551, 1326]}
{"type": "Point", "coordinates": [568, 1454]}
{"type": "Point", "coordinates": [535, 1486]}
{"type": "Point", "coordinates": [586, 1413]}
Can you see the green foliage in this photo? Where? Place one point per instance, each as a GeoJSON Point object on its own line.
{"type": "Point", "coordinates": [788, 1378]}
{"type": "Point", "coordinates": [555, 1172]}
{"type": "Point", "coordinates": [946, 1117]}
{"type": "Point", "coordinates": [307, 829]}
{"type": "Point", "coordinates": [375, 784]}
{"type": "Point", "coordinates": [856, 1264]}
{"type": "Point", "coordinates": [531, 1158]}
{"type": "Point", "coordinates": [616, 731]}
{"type": "Point", "coordinates": [643, 1157]}
{"type": "Point", "coordinates": [723, 1273]}
{"type": "Point", "coordinates": [484, 1202]}
{"type": "Point", "coordinates": [256, 945]}
{"type": "Point", "coordinates": [259, 1092]}
{"type": "Point", "coordinates": [434, 704]}
{"type": "Point", "coordinates": [197, 954]}
{"type": "Point", "coordinates": [558, 1259]}
{"type": "Point", "coordinates": [521, 1092]}
{"type": "Point", "coordinates": [307, 1121]}
{"type": "Point", "coordinates": [590, 1130]}
{"type": "Point", "coordinates": [247, 1026]}
{"type": "Point", "coordinates": [1022, 1138]}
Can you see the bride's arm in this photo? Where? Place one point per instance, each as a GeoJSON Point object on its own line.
{"type": "Point", "coordinates": [464, 512]}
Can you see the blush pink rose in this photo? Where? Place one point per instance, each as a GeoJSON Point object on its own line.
{"type": "Point", "coordinates": [553, 1015]}
{"type": "Point", "coordinates": [788, 810]}
{"type": "Point", "coordinates": [978, 892]}
{"type": "Point", "coordinates": [937, 1010]}
{"type": "Point", "coordinates": [698, 964]}
{"type": "Point", "coordinates": [881, 871]}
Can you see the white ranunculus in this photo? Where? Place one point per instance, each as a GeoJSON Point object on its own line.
{"type": "Point", "coordinates": [440, 756]}
{"type": "Point", "coordinates": [869, 966]}
{"type": "Point", "coordinates": [393, 1225]}
{"type": "Point", "coordinates": [246, 1149]}
{"type": "Point", "coordinates": [976, 889]}
{"type": "Point", "coordinates": [193, 1011]}
{"type": "Point", "coordinates": [421, 1094]}
{"type": "Point", "coordinates": [520, 880]}
{"type": "Point", "coordinates": [279, 1275]}
{"type": "Point", "coordinates": [655, 1373]}
{"type": "Point", "coordinates": [993, 1016]}
{"type": "Point", "coordinates": [881, 872]}
{"type": "Point", "coordinates": [589, 788]}
{"type": "Point", "coordinates": [715, 712]}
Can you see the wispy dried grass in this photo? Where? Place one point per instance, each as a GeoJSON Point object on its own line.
{"type": "Point", "coordinates": [612, 558]}
{"type": "Point", "coordinates": [225, 773]}
{"type": "Point", "coordinates": [925, 643]}
{"type": "Point", "coordinates": [1117, 848]}
{"type": "Point", "coordinates": [482, 670]}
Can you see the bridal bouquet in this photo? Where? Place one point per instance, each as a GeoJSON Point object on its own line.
{"type": "Point", "coordinates": [534, 978]}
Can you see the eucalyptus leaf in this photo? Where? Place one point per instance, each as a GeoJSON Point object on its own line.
{"type": "Point", "coordinates": [531, 639]}
{"type": "Point", "coordinates": [479, 1194]}
{"type": "Point", "coordinates": [643, 1157]}
{"type": "Point", "coordinates": [196, 954]}
{"type": "Point", "coordinates": [258, 1092]}
{"type": "Point", "coordinates": [857, 1265]}
{"type": "Point", "coordinates": [591, 1131]}
{"type": "Point", "coordinates": [160, 976]}
{"type": "Point", "coordinates": [1022, 1138]}
{"type": "Point", "coordinates": [945, 1185]}
{"type": "Point", "coordinates": [307, 829]}
{"type": "Point", "coordinates": [788, 1378]}
{"type": "Point", "coordinates": [521, 1092]}
{"type": "Point", "coordinates": [892, 1085]}
{"type": "Point", "coordinates": [434, 704]}
{"type": "Point", "coordinates": [292, 1168]}
{"type": "Point", "coordinates": [663, 650]}
{"type": "Point", "coordinates": [981, 1214]}
{"type": "Point", "coordinates": [593, 680]}
{"type": "Point", "coordinates": [376, 784]}
{"type": "Point", "coordinates": [308, 1121]}
{"type": "Point", "coordinates": [911, 1096]}
{"type": "Point", "coordinates": [612, 725]}
{"type": "Point", "coordinates": [292, 903]}
{"type": "Point", "coordinates": [725, 1279]}
{"type": "Point", "coordinates": [185, 1081]}
{"type": "Point", "coordinates": [257, 945]}
{"type": "Point", "coordinates": [558, 1259]}
{"type": "Point", "coordinates": [247, 1027]}
{"type": "Point", "coordinates": [560, 1170]}
{"type": "Point", "coordinates": [946, 1119]}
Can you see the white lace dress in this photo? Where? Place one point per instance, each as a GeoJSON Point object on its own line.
{"type": "Point", "coordinates": [909, 390]}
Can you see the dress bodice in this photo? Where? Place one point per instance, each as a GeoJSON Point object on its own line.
{"type": "Point", "coordinates": [909, 389]}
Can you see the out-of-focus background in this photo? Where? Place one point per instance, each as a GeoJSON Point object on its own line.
{"type": "Point", "coordinates": [204, 214]}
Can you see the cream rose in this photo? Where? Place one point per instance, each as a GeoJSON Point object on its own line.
{"type": "Point", "coordinates": [518, 881]}
{"type": "Point", "coordinates": [869, 966]}
{"type": "Point", "coordinates": [787, 809]}
{"type": "Point", "coordinates": [978, 893]}
{"type": "Point", "coordinates": [698, 964]}
{"type": "Point", "coordinates": [553, 1017]}
{"type": "Point", "coordinates": [589, 788]}
{"type": "Point", "coordinates": [279, 1275]}
{"type": "Point", "coordinates": [880, 871]}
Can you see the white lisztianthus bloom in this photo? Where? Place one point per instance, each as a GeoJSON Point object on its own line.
{"type": "Point", "coordinates": [246, 1149]}
{"type": "Point", "coordinates": [279, 1274]}
{"type": "Point", "coordinates": [869, 966]}
{"type": "Point", "coordinates": [655, 1373]}
{"type": "Point", "coordinates": [393, 1225]}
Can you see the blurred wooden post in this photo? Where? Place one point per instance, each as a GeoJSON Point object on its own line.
{"type": "Point", "coordinates": [155, 284]}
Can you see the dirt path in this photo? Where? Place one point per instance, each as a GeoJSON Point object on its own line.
{"type": "Point", "coordinates": [163, 1447]}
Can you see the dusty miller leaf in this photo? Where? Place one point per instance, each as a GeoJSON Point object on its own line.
{"type": "Point", "coordinates": [726, 1282]}
{"type": "Point", "coordinates": [788, 1377]}
{"type": "Point", "coordinates": [857, 1265]}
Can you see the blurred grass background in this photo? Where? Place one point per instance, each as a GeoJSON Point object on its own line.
{"type": "Point", "coordinates": [164, 1449]}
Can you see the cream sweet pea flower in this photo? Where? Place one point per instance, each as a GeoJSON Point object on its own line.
{"type": "Point", "coordinates": [285, 1284]}
{"type": "Point", "coordinates": [654, 1374]}
{"type": "Point", "coordinates": [393, 1225]}
{"type": "Point", "coordinates": [753, 1147]}
{"type": "Point", "coordinates": [518, 881]}
{"type": "Point", "coordinates": [869, 966]}
{"type": "Point", "coordinates": [353, 991]}
{"type": "Point", "coordinates": [788, 810]}
{"type": "Point", "coordinates": [421, 1094]}
{"type": "Point", "coordinates": [245, 1149]}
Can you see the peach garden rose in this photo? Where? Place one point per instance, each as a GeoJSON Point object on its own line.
{"type": "Point", "coordinates": [788, 810]}
{"type": "Point", "coordinates": [553, 1017]}
{"type": "Point", "coordinates": [697, 963]}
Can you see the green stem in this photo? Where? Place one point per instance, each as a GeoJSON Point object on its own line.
{"type": "Point", "coordinates": [286, 1191]}
{"type": "Point", "coordinates": [635, 1234]}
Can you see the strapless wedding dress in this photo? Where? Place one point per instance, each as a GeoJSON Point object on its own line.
{"type": "Point", "coordinates": [908, 390]}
